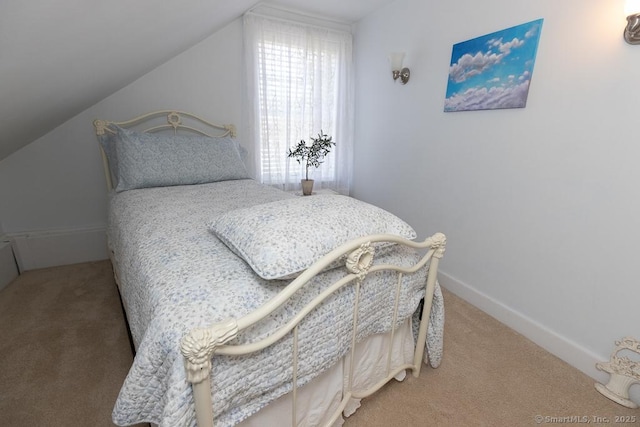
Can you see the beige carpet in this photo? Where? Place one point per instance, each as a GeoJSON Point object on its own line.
{"type": "Point", "coordinates": [64, 353]}
{"type": "Point", "coordinates": [64, 348]}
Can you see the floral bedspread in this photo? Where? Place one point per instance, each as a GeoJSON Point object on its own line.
{"type": "Point", "coordinates": [175, 276]}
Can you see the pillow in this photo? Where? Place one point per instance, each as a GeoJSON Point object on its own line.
{"type": "Point", "coordinates": [281, 239]}
{"type": "Point", "coordinates": [108, 142]}
{"type": "Point", "coordinates": [157, 160]}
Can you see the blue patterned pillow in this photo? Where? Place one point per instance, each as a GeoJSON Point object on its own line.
{"type": "Point", "coordinates": [157, 160]}
{"type": "Point", "coordinates": [281, 239]}
{"type": "Point", "coordinates": [108, 142]}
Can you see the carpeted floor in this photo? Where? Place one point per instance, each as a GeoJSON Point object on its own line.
{"type": "Point", "coordinates": [64, 347]}
{"type": "Point", "coordinates": [64, 353]}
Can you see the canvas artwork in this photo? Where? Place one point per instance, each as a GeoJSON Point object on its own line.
{"type": "Point", "coordinates": [493, 71]}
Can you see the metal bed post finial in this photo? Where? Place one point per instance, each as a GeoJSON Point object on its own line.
{"type": "Point", "coordinates": [439, 244]}
{"type": "Point", "coordinates": [197, 347]}
{"type": "Point", "coordinates": [100, 126]}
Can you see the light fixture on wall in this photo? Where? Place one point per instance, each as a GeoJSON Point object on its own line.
{"type": "Point", "coordinates": [632, 30]}
{"type": "Point", "coordinates": [395, 59]}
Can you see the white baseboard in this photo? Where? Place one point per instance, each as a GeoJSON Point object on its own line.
{"type": "Point", "coordinates": [49, 248]}
{"type": "Point", "coordinates": [562, 347]}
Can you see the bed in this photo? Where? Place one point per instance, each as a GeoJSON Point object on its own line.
{"type": "Point", "coordinates": [250, 305]}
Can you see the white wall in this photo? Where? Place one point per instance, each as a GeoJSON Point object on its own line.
{"type": "Point", "coordinates": [540, 205]}
{"type": "Point", "coordinates": [53, 191]}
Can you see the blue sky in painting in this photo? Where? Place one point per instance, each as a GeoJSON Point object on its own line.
{"type": "Point", "coordinates": [494, 70]}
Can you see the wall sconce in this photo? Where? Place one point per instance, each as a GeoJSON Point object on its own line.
{"type": "Point", "coordinates": [632, 30]}
{"type": "Point", "coordinates": [395, 59]}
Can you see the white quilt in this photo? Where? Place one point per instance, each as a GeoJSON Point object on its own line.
{"type": "Point", "coordinates": [175, 276]}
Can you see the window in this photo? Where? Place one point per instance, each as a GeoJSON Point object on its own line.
{"type": "Point", "coordinates": [299, 84]}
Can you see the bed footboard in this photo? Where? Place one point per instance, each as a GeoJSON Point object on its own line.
{"type": "Point", "coordinates": [199, 345]}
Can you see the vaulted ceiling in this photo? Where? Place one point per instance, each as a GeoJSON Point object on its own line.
{"type": "Point", "coordinates": [59, 57]}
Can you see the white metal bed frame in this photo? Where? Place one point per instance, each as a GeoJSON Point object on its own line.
{"type": "Point", "coordinates": [200, 345]}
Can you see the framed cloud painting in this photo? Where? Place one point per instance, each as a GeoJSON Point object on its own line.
{"type": "Point", "coordinates": [493, 71]}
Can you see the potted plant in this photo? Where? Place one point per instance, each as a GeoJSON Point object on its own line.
{"type": "Point", "coordinates": [311, 155]}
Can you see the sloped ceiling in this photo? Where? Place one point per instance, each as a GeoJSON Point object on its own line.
{"type": "Point", "coordinates": [59, 57]}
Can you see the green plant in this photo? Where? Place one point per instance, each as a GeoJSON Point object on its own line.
{"type": "Point", "coordinates": [312, 155]}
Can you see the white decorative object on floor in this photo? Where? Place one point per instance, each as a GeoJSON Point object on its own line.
{"type": "Point", "coordinates": [624, 373]}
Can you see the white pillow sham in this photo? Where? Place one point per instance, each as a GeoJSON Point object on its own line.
{"type": "Point", "coordinates": [281, 239]}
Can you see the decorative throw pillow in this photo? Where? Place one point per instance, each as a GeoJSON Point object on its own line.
{"type": "Point", "coordinates": [158, 160]}
{"type": "Point", "coordinates": [281, 239]}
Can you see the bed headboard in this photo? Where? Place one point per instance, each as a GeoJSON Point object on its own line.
{"type": "Point", "coordinates": [174, 121]}
{"type": "Point", "coordinates": [162, 120]}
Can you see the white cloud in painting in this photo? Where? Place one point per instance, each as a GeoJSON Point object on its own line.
{"type": "Point", "coordinates": [531, 33]}
{"type": "Point", "coordinates": [483, 98]}
{"type": "Point", "coordinates": [525, 75]}
{"type": "Point", "coordinates": [472, 65]}
{"type": "Point", "coordinates": [505, 48]}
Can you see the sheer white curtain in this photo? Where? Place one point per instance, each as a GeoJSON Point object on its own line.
{"type": "Point", "coordinates": [299, 83]}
